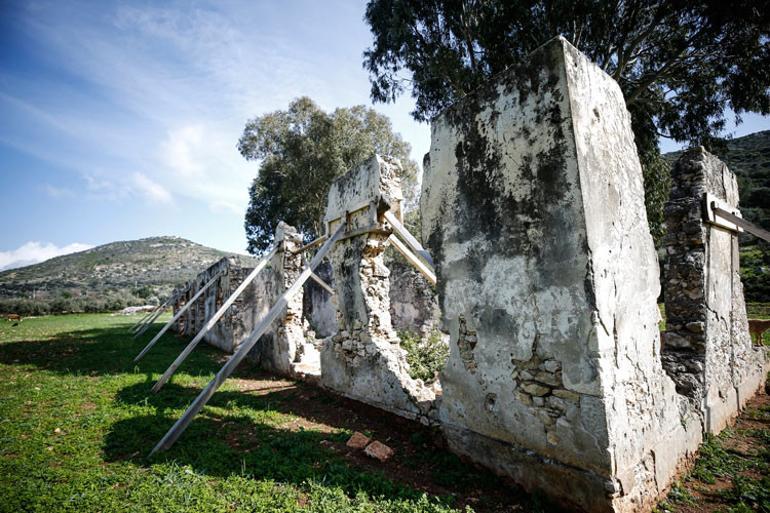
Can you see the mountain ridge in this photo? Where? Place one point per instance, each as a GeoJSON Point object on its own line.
{"type": "Point", "coordinates": [108, 276]}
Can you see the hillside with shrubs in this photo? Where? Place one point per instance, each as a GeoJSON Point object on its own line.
{"type": "Point", "coordinates": [105, 278]}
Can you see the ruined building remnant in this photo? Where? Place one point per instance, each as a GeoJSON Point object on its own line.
{"type": "Point", "coordinates": [707, 349]}
{"type": "Point", "coordinates": [239, 318]}
{"type": "Point", "coordinates": [283, 348]}
{"type": "Point", "coordinates": [533, 208]}
{"type": "Point", "coordinates": [547, 279]}
{"type": "Point", "coordinates": [363, 360]}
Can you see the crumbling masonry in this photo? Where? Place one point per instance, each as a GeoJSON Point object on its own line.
{"type": "Point", "coordinates": [533, 210]}
{"type": "Point", "coordinates": [363, 360]}
{"type": "Point", "coordinates": [707, 349]}
{"type": "Point", "coordinates": [533, 207]}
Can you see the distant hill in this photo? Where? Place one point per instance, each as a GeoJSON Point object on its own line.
{"type": "Point", "coordinates": [749, 158]}
{"type": "Point", "coordinates": [106, 277]}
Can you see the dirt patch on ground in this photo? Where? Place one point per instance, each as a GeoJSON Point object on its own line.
{"type": "Point", "coordinates": [420, 461]}
{"type": "Point", "coordinates": [731, 472]}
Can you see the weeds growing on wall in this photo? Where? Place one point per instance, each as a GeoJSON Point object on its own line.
{"type": "Point", "coordinates": [426, 356]}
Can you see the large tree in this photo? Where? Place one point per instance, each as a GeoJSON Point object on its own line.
{"type": "Point", "coordinates": [301, 150]}
{"type": "Point", "coordinates": [679, 63]}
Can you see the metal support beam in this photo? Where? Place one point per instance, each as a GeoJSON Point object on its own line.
{"type": "Point", "coordinates": [177, 316]}
{"type": "Point", "coordinates": [178, 428]}
{"type": "Point", "coordinates": [402, 232]}
{"type": "Point", "coordinates": [156, 311]}
{"type": "Point", "coordinates": [742, 223]}
{"type": "Point", "coordinates": [146, 316]}
{"type": "Point", "coordinates": [310, 245]}
{"type": "Point", "coordinates": [322, 283]}
{"type": "Point", "coordinates": [152, 318]}
{"type": "Point", "coordinates": [421, 266]}
{"type": "Point", "coordinates": [210, 324]}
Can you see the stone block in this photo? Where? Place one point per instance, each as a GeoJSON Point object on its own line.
{"type": "Point", "coordinates": [358, 441]}
{"type": "Point", "coordinates": [379, 451]}
{"type": "Point", "coordinates": [707, 348]}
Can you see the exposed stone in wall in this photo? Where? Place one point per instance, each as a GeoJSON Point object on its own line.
{"type": "Point", "coordinates": [229, 330]}
{"type": "Point", "coordinates": [284, 348]}
{"type": "Point", "coordinates": [533, 206]}
{"type": "Point", "coordinates": [320, 307]}
{"type": "Point", "coordinates": [414, 308]}
{"type": "Point", "coordinates": [707, 348]}
{"type": "Point", "coordinates": [363, 360]}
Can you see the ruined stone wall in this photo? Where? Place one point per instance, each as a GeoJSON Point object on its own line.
{"type": "Point", "coordinates": [413, 307]}
{"type": "Point", "coordinates": [533, 209]}
{"type": "Point", "coordinates": [363, 360]}
{"type": "Point", "coordinates": [319, 307]}
{"type": "Point", "coordinates": [284, 348]}
{"type": "Point", "coordinates": [707, 348]}
{"type": "Point", "coordinates": [226, 334]}
{"type": "Point", "coordinates": [414, 304]}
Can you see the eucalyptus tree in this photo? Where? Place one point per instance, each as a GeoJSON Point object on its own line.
{"type": "Point", "coordinates": [300, 151]}
{"type": "Point", "coordinates": [680, 64]}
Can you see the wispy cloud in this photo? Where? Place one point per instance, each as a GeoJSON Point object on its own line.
{"type": "Point", "coordinates": [33, 252]}
{"type": "Point", "coordinates": [150, 189]}
{"type": "Point", "coordinates": [58, 192]}
{"type": "Point", "coordinates": [148, 100]}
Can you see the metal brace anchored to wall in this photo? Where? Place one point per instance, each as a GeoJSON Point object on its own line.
{"type": "Point", "coordinates": [425, 266]}
{"type": "Point", "coordinates": [178, 428]}
{"type": "Point", "coordinates": [212, 322]}
{"type": "Point", "coordinates": [720, 214]}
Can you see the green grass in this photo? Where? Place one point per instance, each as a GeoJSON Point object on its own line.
{"type": "Point", "coordinates": [77, 420]}
{"type": "Point", "coordinates": [760, 311]}
{"type": "Point", "coordinates": [744, 472]}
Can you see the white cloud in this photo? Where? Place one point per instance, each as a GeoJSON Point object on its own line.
{"type": "Point", "coordinates": [33, 252]}
{"type": "Point", "coordinates": [151, 189]}
{"type": "Point", "coordinates": [163, 92]}
{"type": "Point", "coordinates": [178, 150]}
{"type": "Point", "coordinates": [59, 192]}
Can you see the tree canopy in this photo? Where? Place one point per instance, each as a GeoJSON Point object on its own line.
{"type": "Point", "coordinates": [679, 63]}
{"type": "Point", "coordinates": [301, 150]}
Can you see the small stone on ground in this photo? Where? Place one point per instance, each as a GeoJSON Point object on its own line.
{"type": "Point", "coordinates": [358, 441]}
{"type": "Point", "coordinates": [378, 451]}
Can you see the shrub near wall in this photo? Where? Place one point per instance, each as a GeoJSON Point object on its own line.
{"type": "Point", "coordinates": [109, 302]}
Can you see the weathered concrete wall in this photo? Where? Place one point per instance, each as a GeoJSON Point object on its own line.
{"type": "Point", "coordinates": [284, 348]}
{"type": "Point", "coordinates": [533, 207]}
{"type": "Point", "coordinates": [414, 308]}
{"type": "Point", "coordinates": [363, 360]}
{"type": "Point", "coordinates": [230, 330]}
{"type": "Point", "coordinates": [707, 348]}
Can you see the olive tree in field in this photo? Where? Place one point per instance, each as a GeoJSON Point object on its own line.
{"type": "Point", "coordinates": [300, 151]}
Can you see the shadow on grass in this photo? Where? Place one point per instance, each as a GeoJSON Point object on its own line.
{"type": "Point", "coordinates": [110, 350]}
{"type": "Point", "coordinates": [226, 439]}
{"type": "Point", "coordinates": [222, 444]}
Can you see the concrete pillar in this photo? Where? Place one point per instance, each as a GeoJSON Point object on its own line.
{"type": "Point", "coordinates": [533, 209]}
{"type": "Point", "coordinates": [363, 360]}
{"type": "Point", "coordinates": [707, 348]}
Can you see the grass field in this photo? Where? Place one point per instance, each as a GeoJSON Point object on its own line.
{"type": "Point", "coordinates": [77, 420]}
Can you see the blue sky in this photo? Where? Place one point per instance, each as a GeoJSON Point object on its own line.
{"type": "Point", "coordinates": [119, 120]}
